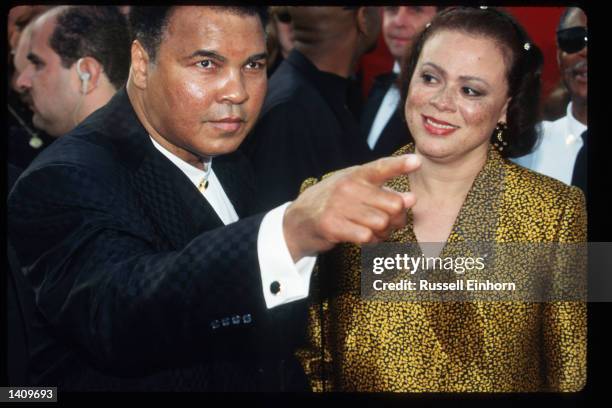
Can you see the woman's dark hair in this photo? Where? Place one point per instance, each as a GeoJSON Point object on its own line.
{"type": "Point", "coordinates": [148, 23]}
{"type": "Point", "coordinates": [521, 56]}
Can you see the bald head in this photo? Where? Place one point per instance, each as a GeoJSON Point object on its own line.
{"type": "Point", "coordinates": [568, 13]}
{"type": "Point", "coordinates": [342, 34]}
{"type": "Point", "coordinates": [48, 20]}
{"type": "Point", "coordinates": [18, 18]}
{"type": "Point", "coordinates": [313, 25]}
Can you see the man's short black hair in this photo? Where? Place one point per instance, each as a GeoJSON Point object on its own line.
{"type": "Point", "coordinates": [148, 23]}
{"type": "Point", "coordinates": [100, 32]}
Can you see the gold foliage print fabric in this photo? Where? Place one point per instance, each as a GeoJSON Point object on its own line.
{"type": "Point", "coordinates": [358, 345]}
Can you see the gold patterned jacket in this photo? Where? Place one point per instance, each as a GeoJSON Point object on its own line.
{"type": "Point", "coordinates": [359, 345]}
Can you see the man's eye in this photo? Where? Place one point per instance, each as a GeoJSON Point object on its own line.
{"type": "Point", "coordinates": [254, 65]}
{"type": "Point", "coordinates": [38, 65]}
{"type": "Point", "coordinates": [205, 64]}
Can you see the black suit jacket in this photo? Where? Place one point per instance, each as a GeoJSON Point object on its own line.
{"type": "Point", "coordinates": [305, 130]}
{"type": "Point", "coordinates": [138, 283]}
{"type": "Point", "coordinates": [395, 134]}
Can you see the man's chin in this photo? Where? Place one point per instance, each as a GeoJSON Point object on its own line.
{"type": "Point", "coordinates": [221, 149]}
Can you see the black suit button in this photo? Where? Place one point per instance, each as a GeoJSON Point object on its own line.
{"type": "Point", "coordinates": [275, 287]}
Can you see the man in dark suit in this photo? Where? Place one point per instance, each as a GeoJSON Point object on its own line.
{"type": "Point", "coordinates": [151, 270]}
{"type": "Point", "coordinates": [306, 128]}
{"type": "Point", "coordinates": [382, 123]}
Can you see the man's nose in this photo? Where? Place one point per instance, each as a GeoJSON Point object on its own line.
{"type": "Point", "coordinates": [400, 17]}
{"type": "Point", "coordinates": [233, 89]}
{"type": "Point", "coordinates": [23, 82]}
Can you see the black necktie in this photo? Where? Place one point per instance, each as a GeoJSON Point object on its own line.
{"type": "Point", "coordinates": [579, 177]}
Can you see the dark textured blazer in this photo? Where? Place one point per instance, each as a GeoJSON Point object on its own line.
{"type": "Point", "coordinates": [395, 134]}
{"type": "Point", "coordinates": [138, 283]}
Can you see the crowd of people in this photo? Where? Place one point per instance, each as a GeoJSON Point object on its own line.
{"type": "Point", "coordinates": [190, 188]}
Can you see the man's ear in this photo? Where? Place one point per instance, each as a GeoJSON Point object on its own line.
{"type": "Point", "coordinates": [362, 20]}
{"type": "Point", "coordinates": [140, 65]}
{"type": "Point", "coordinates": [369, 21]}
{"type": "Point", "coordinates": [89, 70]}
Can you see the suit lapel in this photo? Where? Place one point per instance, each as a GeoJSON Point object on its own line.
{"type": "Point", "coordinates": [235, 177]}
{"type": "Point", "coordinates": [381, 85]}
{"type": "Point", "coordinates": [394, 135]}
{"type": "Point", "coordinates": [174, 204]}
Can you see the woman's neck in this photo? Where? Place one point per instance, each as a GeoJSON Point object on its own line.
{"type": "Point", "coordinates": [441, 181]}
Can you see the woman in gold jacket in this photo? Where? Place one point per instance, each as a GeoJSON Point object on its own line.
{"type": "Point", "coordinates": [471, 88]}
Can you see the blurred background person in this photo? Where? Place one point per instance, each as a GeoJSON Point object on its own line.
{"type": "Point", "coordinates": [381, 121]}
{"type": "Point", "coordinates": [563, 141]}
{"type": "Point", "coordinates": [18, 18]}
{"type": "Point", "coordinates": [24, 142]}
{"type": "Point", "coordinates": [78, 58]}
{"type": "Point", "coordinates": [280, 37]}
{"type": "Point", "coordinates": [305, 128]}
{"type": "Point", "coordinates": [470, 92]}
{"type": "Point", "coordinates": [125, 10]}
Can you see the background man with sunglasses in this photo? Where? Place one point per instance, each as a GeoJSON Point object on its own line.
{"type": "Point", "coordinates": [562, 151]}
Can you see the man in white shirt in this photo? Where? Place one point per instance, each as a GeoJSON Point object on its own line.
{"type": "Point", "coordinates": [381, 122]}
{"type": "Point", "coordinates": [153, 270]}
{"type": "Point", "coordinates": [562, 140]}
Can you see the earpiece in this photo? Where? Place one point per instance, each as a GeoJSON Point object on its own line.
{"type": "Point", "coordinates": [84, 76]}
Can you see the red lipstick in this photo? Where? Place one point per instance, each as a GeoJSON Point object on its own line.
{"type": "Point", "coordinates": [438, 127]}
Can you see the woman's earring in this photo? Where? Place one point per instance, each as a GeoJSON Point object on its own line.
{"type": "Point", "coordinates": [499, 135]}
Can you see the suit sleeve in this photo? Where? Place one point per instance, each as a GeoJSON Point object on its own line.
{"type": "Point", "coordinates": [104, 286]}
{"type": "Point", "coordinates": [565, 322]}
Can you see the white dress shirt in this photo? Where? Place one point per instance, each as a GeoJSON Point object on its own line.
{"type": "Point", "coordinates": [556, 154]}
{"type": "Point", "coordinates": [385, 111]}
{"type": "Point", "coordinates": [275, 262]}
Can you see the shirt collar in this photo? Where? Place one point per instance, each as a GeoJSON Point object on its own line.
{"type": "Point", "coordinates": [574, 126]}
{"type": "Point", "coordinates": [194, 174]}
{"type": "Point", "coordinates": [396, 67]}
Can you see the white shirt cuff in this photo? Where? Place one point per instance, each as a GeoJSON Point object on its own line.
{"type": "Point", "coordinates": [290, 281]}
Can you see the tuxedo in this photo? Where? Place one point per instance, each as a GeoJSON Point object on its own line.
{"type": "Point", "coordinates": [395, 133]}
{"type": "Point", "coordinates": [139, 285]}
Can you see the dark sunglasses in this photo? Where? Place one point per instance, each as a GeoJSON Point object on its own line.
{"type": "Point", "coordinates": [573, 39]}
